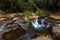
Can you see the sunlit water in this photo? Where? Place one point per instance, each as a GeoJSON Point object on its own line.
{"type": "Point", "coordinates": [36, 25]}
{"type": "Point", "coordinates": [42, 21]}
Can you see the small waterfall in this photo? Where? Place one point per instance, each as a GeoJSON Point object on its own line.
{"type": "Point", "coordinates": [35, 24]}
{"type": "Point", "coordinates": [3, 27]}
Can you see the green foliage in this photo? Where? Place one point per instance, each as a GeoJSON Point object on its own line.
{"type": "Point", "coordinates": [27, 23]}
{"type": "Point", "coordinates": [28, 4]}
{"type": "Point", "coordinates": [47, 4]}
{"type": "Point", "coordinates": [25, 4]}
{"type": "Point", "coordinates": [21, 3]}
{"type": "Point", "coordinates": [27, 13]}
{"type": "Point", "coordinates": [41, 12]}
{"type": "Point", "coordinates": [51, 2]}
{"type": "Point", "coordinates": [42, 3]}
{"type": "Point", "coordinates": [58, 32]}
{"type": "Point", "coordinates": [10, 6]}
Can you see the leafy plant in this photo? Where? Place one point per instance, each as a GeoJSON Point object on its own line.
{"type": "Point", "coordinates": [27, 23]}
{"type": "Point", "coordinates": [58, 32]}
{"type": "Point", "coordinates": [41, 12]}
